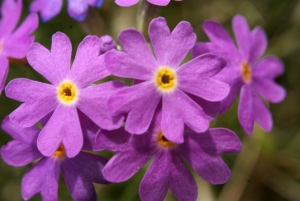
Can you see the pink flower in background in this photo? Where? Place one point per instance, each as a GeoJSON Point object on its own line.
{"type": "Point", "coordinates": [126, 3]}
{"type": "Point", "coordinates": [245, 71]}
{"type": "Point", "coordinates": [14, 42]}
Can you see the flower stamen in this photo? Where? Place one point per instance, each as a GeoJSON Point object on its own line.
{"type": "Point", "coordinates": [246, 72]}
{"type": "Point", "coordinates": [67, 92]}
{"type": "Point", "coordinates": [163, 141]}
{"type": "Point", "coordinates": [165, 79]}
{"type": "Point", "coordinates": [60, 152]}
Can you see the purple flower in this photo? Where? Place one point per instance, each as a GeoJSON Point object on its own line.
{"type": "Point", "coordinates": [77, 9]}
{"type": "Point", "coordinates": [163, 80]}
{"type": "Point", "coordinates": [79, 172]}
{"type": "Point", "coordinates": [69, 91]}
{"type": "Point", "coordinates": [168, 170]}
{"type": "Point", "coordinates": [126, 3]}
{"type": "Point", "coordinates": [14, 43]}
{"type": "Point", "coordinates": [107, 43]}
{"type": "Point", "coordinates": [245, 72]}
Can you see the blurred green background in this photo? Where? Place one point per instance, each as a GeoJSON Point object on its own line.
{"type": "Point", "coordinates": [268, 168]}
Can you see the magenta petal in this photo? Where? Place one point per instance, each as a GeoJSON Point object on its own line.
{"type": "Point", "coordinates": [268, 68]}
{"type": "Point", "coordinates": [28, 114]}
{"type": "Point", "coordinates": [3, 72]}
{"type": "Point", "coordinates": [207, 88]}
{"type": "Point", "coordinates": [16, 45]}
{"type": "Point", "coordinates": [270, 90]}
{"type": "Point", "coordinates": [246, 109]}
{"type": "Point", "coordinates": [218, 35]}
{"type": "Point", "coordinates": [242, 34]}
{"type": "Point", "coordinates": [115, 140]}
{"type": "Point", "coordinates": [155, 183]}
{"type": "Point", "coordinates": [78, 9]}
{"type": "Point", "coordinates": [168, 50]}
{"type": "Point", "coordinates": [10, 14]}
{"type": "Point", "coordinates": [174, 116]}
{"type": "Point", "coordinates": [27, 135]}
{"type": "Point", "coordinates": [34, 91]}
{"type": "Point", "coordinates": [47, 8]}
{"type": "Point", "coordinates": [124, 65]}
{"type": "Point", "coordinates": [159, 2]}
{"type": "Point", "coordinates": [210, 109]}
{"type": "Point", "coordinates": [140, 101]}
{"type": "Point", "coordinates": [80, 172]}
{"type": "Point", "coordinates": [224, 140]}
{"type": "Point", "coordinates": [18, 153]}
{"type": "Point", "coordinates": [93, 102]}
{"type": "Point", "coordinates": [125, 164]}
{"type": "Point", "coordinates": [259, 44]}
{"type": "Point", "coordinates": [44, 63]}
{"type": "Point", "coordinates": [206, 65]}
{"type": "Point", "coordinates": [200, 152]}
{"type": "Point", "coordinates": [263, 115]}
{"type": "Point", "coordinates": [126, 3]}
{"type": "Point", "coordinates": [63, 127]}
{"type": "Point", "coordinates": [88, 66]}
{"type": "Point", "coordinates": [41, 178]}
{"type": "Point", "coordinates": [182, 183]}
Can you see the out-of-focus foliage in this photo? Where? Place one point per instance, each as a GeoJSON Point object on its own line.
{"type": "Point", "coordinates": [268, 168]}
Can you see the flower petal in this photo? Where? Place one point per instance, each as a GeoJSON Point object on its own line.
{"type": "Point", "coordinates": [63, 127]}
{"type": "Point", "coordinates": [80, 172]}
{"type": "Point", "coordinates": [242, 34]}
{"type": "Point", "coordinates": [263, 115]}
{"type": "Point", "coordinates": [45, 63]}
{"type": "Point", "coordinates": [268, 68]}
{"type": "Point", "coordinates": [270, 90]}
{"type": "Point", "coordinates": [207, 88]}
{"type": "Point", "coordinates": [218, 35]}
{"type": "Point", "coordinates": [210, 109]}
{"type": "Point", "coordinates": [174, 116]}
{"type": "Point", "coordinates": [155, 183]}
{"type": "Point", "coordinates": [47, 8]}
{"type": "Point", "coordinates": [246, 109]}
{"type": "Point", "coordinates": [125, 164]}
{"type": "Point", "coordinates": [159, 2]}
{"type": "Point", "coordinates": [17, 153]}
{"type": "Point", "coordinates": [28, 135]}
{"type": "Point", "coordinates": [93, 102]}
{"type": "Point", "coordinates": [16, 45]}
{"type": "Point", "coordinates": [137, 61]}
{"type": "Point", "coordinates": [126, 3]}
{"type": "Point", "coordinates": [224, 141]}
{"type": "Point", "coordinates": [200, 152]}
{"type": "Point", "coordinates": [206, 65]}
{"type": "Point", "coordinates": [140, 101]}
{"type": "Point", "coordinates": [41, 178]}
{"type": "Point", "coordinates": [182, 183]}
{"type": "Point", "coordinates": [88, 66]}
{"type": "Point", "coordinates": [30, 91]}
{"type": "Point", "coordinates": [28, 114]}
{"type": "Point", "coordinates": [77, 9]}
{"type": "Point", "coordinates": [3, 72]}
{"type": "Point", "coordinates": [10, 15]}
{"type": "Point", "coordinates": [259, 44]}
{"type": "Point", "coordinates": [171, 48]}
{"type": "Point", "coordinates": [115, 140]}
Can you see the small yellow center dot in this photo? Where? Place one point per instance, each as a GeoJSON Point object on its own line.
{"type": "Point", "coordinates": [163, 141]}
{"type": "Point", "coordinates": [165, 79]}
{"type": "Point", "coordinates": [60, 152]}
{"type": "Point", "coordinates": [67, 92]}
{"type": "Point", "coordinates": [246, 72]}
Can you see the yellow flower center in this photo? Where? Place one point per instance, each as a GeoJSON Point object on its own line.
{"type": "Point", "coordinates": [163, 141]}
{"type": "Point", "coordinates": [246, 72]}
{"type": "Point", "coordinates": [165, 79]}
{"type": "Point", "coordinates": [60, 152]}
{"type": "Point", "coordinates": [67, 92]}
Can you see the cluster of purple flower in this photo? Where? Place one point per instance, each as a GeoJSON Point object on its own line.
{"type": "Point", "coordinates": [166, 113]}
